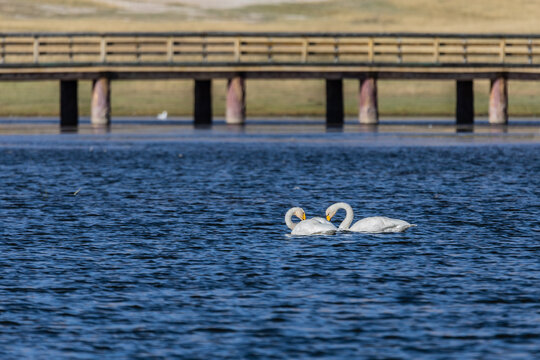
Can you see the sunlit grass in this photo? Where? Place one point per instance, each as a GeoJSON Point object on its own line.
{"type": "Point", "coordinates": [264, 98]}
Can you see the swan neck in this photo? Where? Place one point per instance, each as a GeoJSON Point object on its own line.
{"type": "Point", "coordinates": [346, 223]}
{"type": "Point", "coordinates": [288, 219]}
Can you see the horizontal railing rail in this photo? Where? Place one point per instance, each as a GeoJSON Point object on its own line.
{"type": "Point", "coordinates": [65, 49]}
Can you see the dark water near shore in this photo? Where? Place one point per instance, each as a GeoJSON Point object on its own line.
{"type": "Point", "coordinates": [156, 247]}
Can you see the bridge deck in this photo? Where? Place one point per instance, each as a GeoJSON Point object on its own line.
{"type": "Point", "coordinates": [267, 55]}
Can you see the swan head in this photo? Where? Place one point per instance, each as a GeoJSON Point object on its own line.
{"type": "Point", "coordinates": [295, 211]}
{"type": "Point", "coordinates": [299, 213]}
{"type": "Point", "coordinates": [331, 211]}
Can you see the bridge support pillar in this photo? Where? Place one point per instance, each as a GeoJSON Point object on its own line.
{"type": "Point", "coordinates": [464, 102]}
{"type": "Point", "coordinates": [101, 102]}
{"type": "Point", "coordinates": [236, 101]}
{"type": "Point", "coordinates": [368, 107]}
{"type": "Point", "coordinates": [498, 102]}
{"type": "Point", "coordinates": [334, 102]}
{"type": "Point", "coordinates": [69, 106]}
{"type": "Point", "coordinates": [203, 103]}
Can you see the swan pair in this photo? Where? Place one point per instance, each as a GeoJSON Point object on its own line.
{"type": "Point", "coordinates": [317, 225]}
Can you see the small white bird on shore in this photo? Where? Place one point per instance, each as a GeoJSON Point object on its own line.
{"type": "Point", "coordinates": [163, 115]}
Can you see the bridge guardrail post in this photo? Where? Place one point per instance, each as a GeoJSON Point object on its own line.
{"type": "Point", "coordinates": [336, 50]}
{"type": "Point", "coordinates": [103, 49]}
{"type": "Point", "coordinates": [305, 50]}
{"type": "Point", "coordinates": [269, 49]}
{"type": "Point", "coordinates": [137, 49]}
{"type": "Point", "coordinates": [204, 48]}
{"type": "Point", "coordinates": [36, 49]}
{"type": "Point", "coordinates": [436, 53]}
{"type": "Point", "coordinates": [465, 51]}
{"type": "Point", "coordinates": [70, 49]}
{"type": "Point", "coordinates": [529, 51]}
{"type": "Point", "coordinates": [502, 51]}
{"type": "Point", "coordinates": [371, 49]}
{"type": "Point", "coordinates": [170, 50]}
{"type": "Point", "coordinates": [399, 51]}
{"type": "Point", "coordinates": [237, 50]}
{"type": "Point", "coordinates": [2, 50]}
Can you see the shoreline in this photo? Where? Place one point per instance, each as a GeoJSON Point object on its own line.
{"type": "Point", "coordinates": [390, 131]}
{"type": "Point", "coordinates": [320, 120]}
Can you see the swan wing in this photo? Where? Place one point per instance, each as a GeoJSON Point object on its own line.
{"type": "Point", "coordinates": [380, 224]}
{"type": "Point", "coordinates": [313, 227]}
{"type": "Point", "coordinates": [322, 221]}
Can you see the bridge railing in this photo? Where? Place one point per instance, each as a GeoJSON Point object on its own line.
{"type": "Point", "coordinates": [50, 49]}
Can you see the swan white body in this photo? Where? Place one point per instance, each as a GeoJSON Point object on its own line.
{"type": "Point", "coordinates": [314, 226]}
{"type": "Point", "coordinates": [374, 224]}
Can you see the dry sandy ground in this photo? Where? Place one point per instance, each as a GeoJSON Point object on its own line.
{"type": "Point", "coordinates": [33, 8]}
{"type": "Point", "coordinates": [157, 6]}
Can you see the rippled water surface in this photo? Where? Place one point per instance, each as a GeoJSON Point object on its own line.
{"type": "Point", "coordinates": [148, 247]}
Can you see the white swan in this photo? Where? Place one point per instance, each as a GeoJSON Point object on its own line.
{"type": "Point", "coordinates": [374, 224]}
{"type": "Point", "coordinates": [312, 226]}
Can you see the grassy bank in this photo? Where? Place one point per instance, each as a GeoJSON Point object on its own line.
{"type": "Point", "coordinates": [264, 98]}
{"type": "Point", "coordinates": [272, 98]}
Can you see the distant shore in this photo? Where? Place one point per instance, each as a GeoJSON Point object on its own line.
{"type": "Point", "coordinates": [485, 16]}
{"type": "Point", "coordinates": [269, 98]}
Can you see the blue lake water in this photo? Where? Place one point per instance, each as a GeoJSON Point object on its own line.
{"type": "Point", "coordinates": [174, 246]}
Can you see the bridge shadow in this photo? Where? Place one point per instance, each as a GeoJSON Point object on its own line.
{"type": "Point", "coordinates": [369, 128]}
{"type": "Point", "coordinates": [362, 128]}
{"type": "Point", "coordinates": [498, 129]}
{"type": "Point", "coordinates": [101, 130]}
{"type": "Point", "coordinates": [493, 128]}
{"type": "Point", "coordinates": [202, 126]}
{"type": "Point", "coordinates": [236, 128]}
{"type": "Point", "coordinates": [334, 128]}
{"type": "Point", "coordinates": [69, 129]}
{"type": "Point", "coordinates": [464, 128]}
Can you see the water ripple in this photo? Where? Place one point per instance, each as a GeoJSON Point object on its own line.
{"type": "Point", "coordinates": [126, 250]}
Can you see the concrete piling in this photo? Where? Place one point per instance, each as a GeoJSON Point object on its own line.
{"type": "Point", "coordinates": [101, 102]}
{"type": "Point", "coordinates": [236, 101]}
{"type": "Point", "coordinates": [203, 103]}
{"type": "Point", "coordinates": [69, 109]}
{"type": "Point", "coordinates": [334, 102]}
{"type": "Point", "coordinates": [498, 102]}
{"type": "Point", "coordinates": [464, 103]}
{"type": "Point", "coordinates": [368, 108]}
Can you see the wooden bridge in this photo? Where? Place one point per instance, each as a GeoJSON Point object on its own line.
{"type": "Point", "coordinates": [368, 57]}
